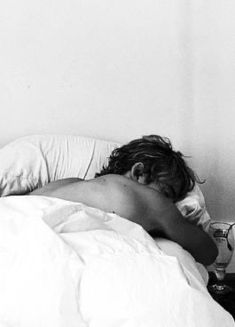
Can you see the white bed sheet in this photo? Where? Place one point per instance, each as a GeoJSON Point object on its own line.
{"type": "Point", "coordinates": [63, 264]}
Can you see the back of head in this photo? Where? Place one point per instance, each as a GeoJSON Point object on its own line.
{"type": "Point", "coordinates": [162, 165]}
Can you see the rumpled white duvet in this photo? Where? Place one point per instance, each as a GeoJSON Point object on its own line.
{"type": "Point", "coordinates": [63, 264]}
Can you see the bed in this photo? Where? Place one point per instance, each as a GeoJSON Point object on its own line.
{"type": "Point", "coordinates": [65, 264]}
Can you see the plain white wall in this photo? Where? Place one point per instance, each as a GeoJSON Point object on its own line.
{"type": "Point", "coordinates": [213, 137]}
{"type": "Point", "coordinates": [112, 69]}
{"type": "Point", "coordinates": [118, 69]}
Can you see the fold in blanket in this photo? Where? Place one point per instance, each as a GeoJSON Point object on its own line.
{"type": "Point", "coordinates": [65, 264]}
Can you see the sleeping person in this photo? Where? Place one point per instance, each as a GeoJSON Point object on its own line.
{"type": "Point", "coordinates": [143, 182]}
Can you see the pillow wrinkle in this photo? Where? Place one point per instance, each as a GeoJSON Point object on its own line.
{"type": "Point", "coordinates": [90, 160]}
{"type": "Point", "coordinates": [33, 161]}
{"type": "Point", "coordinates": [45, 161]}
{"type": "Point", "coordinates": [193, 208]}
{"type": "Point", "coordinates": [22, 168]}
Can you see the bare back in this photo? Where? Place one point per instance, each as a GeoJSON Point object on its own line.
{"type": "Point", "coordinates": [112, 193]}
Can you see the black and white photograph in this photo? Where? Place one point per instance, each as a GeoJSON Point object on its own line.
{"type": "Point", "coordinates": [117, 163]}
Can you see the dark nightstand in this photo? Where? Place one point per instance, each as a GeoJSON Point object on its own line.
{"type": "Point", "coordinates": [227, 301]}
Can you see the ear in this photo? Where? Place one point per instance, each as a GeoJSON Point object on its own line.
{"type": "Point", "coordinates": [137, 172]}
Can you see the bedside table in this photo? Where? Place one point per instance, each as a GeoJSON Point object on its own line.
{"type": "Point", "coordinates": [227, 301]}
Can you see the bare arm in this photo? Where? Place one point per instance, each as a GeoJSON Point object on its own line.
{"type": "Point", "coordinates": [191, 238]}
{"type": "Point", "coordinates": [162, 215]}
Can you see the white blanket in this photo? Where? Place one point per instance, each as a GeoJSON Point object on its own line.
{"type": "Point", "coordinates": [63, 264]}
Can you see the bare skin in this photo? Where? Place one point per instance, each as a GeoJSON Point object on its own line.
{"type": "Point", "coordinates": [139, 203]}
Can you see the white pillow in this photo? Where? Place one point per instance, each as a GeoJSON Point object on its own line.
{"type": "Point", "coordinates": [193, 207]}
{"type": "Point", "coordinates": [33, 161]}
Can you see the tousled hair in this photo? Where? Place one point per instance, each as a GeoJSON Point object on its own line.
{"type": "Point", "coordinates": [161, 164]}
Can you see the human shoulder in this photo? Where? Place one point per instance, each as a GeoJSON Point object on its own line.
{"type": "Point", "coordinates": [120, 193]}
{"type": "Point", "coordinates": [113, 180]}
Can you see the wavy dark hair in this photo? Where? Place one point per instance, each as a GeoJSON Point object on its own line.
{"type": "Point", "coordinates": [161, 163]}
